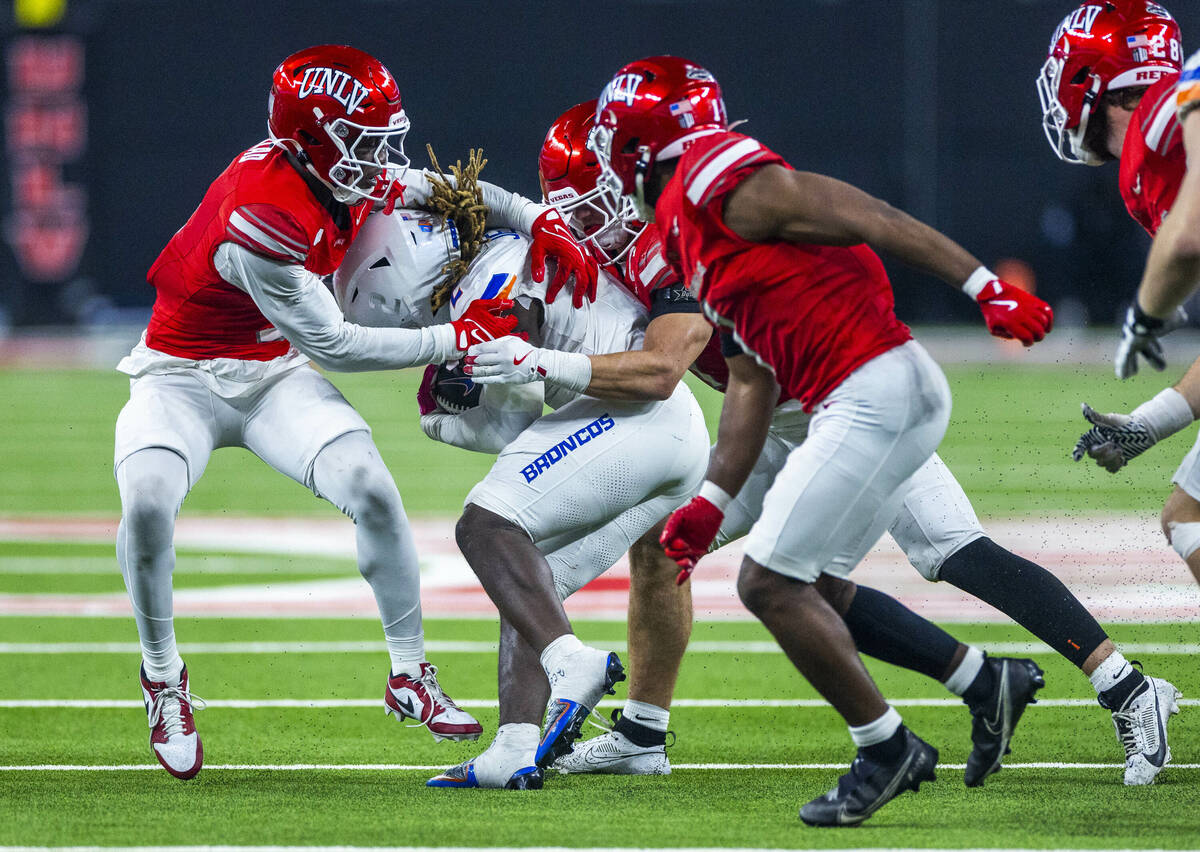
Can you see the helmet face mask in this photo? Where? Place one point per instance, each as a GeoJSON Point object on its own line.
{"type": "Point", "coordinates": [1098, 48]}
{"type": "Point", "coordinates": [339, 110]}
{"type": "Point", "coordinates": [573, 181]}
{"type": "Point", "coordinates": [652, 110]}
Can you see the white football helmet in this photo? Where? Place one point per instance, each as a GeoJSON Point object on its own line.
{"type": "Point", "coordinates": [392, 268]}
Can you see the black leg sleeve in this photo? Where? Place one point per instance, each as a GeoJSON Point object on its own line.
{"type": "Point", "coordinates": [887, 630]}
{"type": "Point", "coordinates": [1028, 594]}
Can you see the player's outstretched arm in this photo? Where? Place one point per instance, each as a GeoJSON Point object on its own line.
{"type": "Point", "coordinates": [306, 313]}
{"type": "Point", "coordinates": [777, 203]}
{"type": "Point", "coordinates": [1115, 439]}
{"type": "Point", "coordinates": [745, 417]}
{"type": "Point", "coordinates": [672, 343]}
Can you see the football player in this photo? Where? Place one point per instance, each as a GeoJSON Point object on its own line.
{"type": "Point", "coordinates": [239, 311]}
{"type": "Point", "coordinates": [779, 260]}
{"type": "Point", "coordinates": [569, 491]}
{"type": "Point", "coordinates": [936, 526]}
{"type": "Point", "coordinates": [1130, 54]}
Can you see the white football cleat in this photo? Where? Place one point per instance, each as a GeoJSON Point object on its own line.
{"type": "Point", "coordinates": [421, 698]}
{"type": "Point", "coordinates": [173, 737]}
{"type": "Point", "coordinates": [576, 687]}
{"type": "Point", "coordinates": [612, 753]}
{"type": "Point", "coordinates": [1142, 729]}
{"type": "Point", "coordinates": [506, 764]}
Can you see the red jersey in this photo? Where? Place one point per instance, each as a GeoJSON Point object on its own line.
{"type": "Point", "coordinates": [812, 313]}
{"type": "Point", "coordinates": [263, 203]}
{"type": "Point", "coordinates": [1153, 161]}
{"type": "Point", "coordinates": [659, 288]}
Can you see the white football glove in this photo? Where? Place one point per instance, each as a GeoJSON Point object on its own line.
{"type": "Point", "coordinates": [512, 361]}
{"type": "Point", "coordinates": [1139, 336]}
{"type": "Point", "coordinates": [504, 361]}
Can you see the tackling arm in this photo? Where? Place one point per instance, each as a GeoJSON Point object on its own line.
{"type": "Point", "coordinates": [745, 417]}
{"type": "Point", "coordinates": [778, 203]}
{"type": "Point", "coordinates": [672, 342]}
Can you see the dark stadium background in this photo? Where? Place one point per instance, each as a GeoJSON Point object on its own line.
{"type": "Point", "coordinates": [927, 103]}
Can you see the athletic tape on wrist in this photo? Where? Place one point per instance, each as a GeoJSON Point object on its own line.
{"type": "Point", "coordinates": [979, 279]}
{"type": "Point", "coordinates": [570, 370]}
{"type": "Point", "coordinates": [1165, 414]}
{"type": "Point", "coordinates": [716, 495]}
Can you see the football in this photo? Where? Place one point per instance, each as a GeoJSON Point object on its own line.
{"type": "Point", "coordinates": [454, 391]}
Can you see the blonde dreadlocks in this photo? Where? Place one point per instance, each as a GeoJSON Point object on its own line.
{"type": "Point", "coordinates": [462, 204]}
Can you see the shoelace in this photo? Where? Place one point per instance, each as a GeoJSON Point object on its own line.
{"type": "Point", "coordinates": [171, 715]}
{"type": "Point", "coordinates": [1126, 732]}
{"type": "Point", "coordinates": [428, 679]}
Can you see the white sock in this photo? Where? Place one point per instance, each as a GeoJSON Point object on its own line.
{"type": "Point", "coordinates": [554, 654]}
{"type": "Point", "coordinates": [161, 659]}
{"type": "Point", "coordinates": [881, 729]}
{"type": "Point", "coordinates": [1111, 671]}
{"type": "Point", "coordinates": [647, 715]}
{"type": "Point", "coordinates": [407, 653]}
{"type": "Point", "coordinates": [514, 747]}
{"type": "Point", "coordinates": [962, 677]}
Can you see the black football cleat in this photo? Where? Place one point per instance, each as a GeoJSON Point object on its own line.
{"type": "Point", "coordinates": [994, 719]}
{"type": "Point", "coordinates": [868, 786]}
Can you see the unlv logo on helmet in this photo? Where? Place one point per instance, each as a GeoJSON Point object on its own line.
{"type": "Point", "coordinates": [336, 84]}
{"type": "Point", "coordinates": [1079, 21]}
{"type": "Point", "coordinates": [623, 88]}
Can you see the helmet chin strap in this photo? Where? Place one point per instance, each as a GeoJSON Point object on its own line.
{"type": "Point", "coordinates": [645, 211]}
{"type": "Point", "coordinates": [1090, 100]}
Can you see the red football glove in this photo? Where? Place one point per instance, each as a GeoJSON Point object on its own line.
{"type": "Point", "coordinates": [426, 404]}
{"type": "Point", "coordinates": [482, 321]}
{"type": "Point", "coordinates": [689, 532]}
{"type": "Point", "coordinates": [1011, 312]}
{"type": "Point", "coordinates": [552, 238]}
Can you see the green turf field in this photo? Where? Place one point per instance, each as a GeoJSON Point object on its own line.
{"type": "Point", "coordinates": [299, 752]}
{"type": "Point", "coordinates": [1009, 443]}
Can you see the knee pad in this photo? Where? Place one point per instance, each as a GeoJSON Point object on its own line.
{"type": "Point", "coordinates": [1185, 537]}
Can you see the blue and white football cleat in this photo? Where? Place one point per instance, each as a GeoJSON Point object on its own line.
{"type": "Point", "coordinates": [463, 776]}
{"type": "Point", "coordinates": [575, 689]}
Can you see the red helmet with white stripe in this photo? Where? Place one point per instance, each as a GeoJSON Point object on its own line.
{"type": "Point", "coordinates": [651, 110]}
{"type": "Point", "coordinates": [1099, 47]}
{"type": "Point", "coordinates": [570, 178]}
{"type": "Point", "coordinates": [338, 109]}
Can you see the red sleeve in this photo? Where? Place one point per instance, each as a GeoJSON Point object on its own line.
{"type": "Point", "coordinates": [267, 230]}
{"type": "Point", "coordinates": [723, 166]}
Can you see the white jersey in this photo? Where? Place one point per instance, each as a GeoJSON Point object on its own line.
{"type": "Point", "coordinates": [614, 322]}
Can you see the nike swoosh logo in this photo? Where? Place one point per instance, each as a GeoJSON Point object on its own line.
{"type": "Point", "coordinates": [517, 361]}
{"type": "Point", "coordinates": [997, 727]}
{"type": "Point", "coordinates": [407, 706]}
{"type": "Point", "coordinates": [1161, 754]}
{"type": "Point", "coordinates": [1004, 303]}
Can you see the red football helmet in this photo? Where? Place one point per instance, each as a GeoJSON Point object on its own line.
{"type": "Point", "coordinates": [652, 109]}
{"type": "Point", "coordinates": [339, 110]}
{"type": "Point", "coordinates": [570, 178]}
{"type": "Point", "coordinates": [1099, 47]}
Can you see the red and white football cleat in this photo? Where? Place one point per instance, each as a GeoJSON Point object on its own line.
{"type": "Point", "coordinates": [421, 698]}
{"type": "Point", "coordinates": [173, 737]}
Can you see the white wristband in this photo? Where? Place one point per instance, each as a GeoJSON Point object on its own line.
{"type": "Point", "coordinates": [1165, 414]}
{"type": "Point", "coordinates": [979, 279]}
{"type": "Point", "coordinates": [570, 370]}
{"type": "Point", "coordinates": [716, 495]}
{"type": "Point", "coordinates": [444, 344]}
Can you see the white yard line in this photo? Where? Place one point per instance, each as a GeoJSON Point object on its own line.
{"type": "Point", "coordinates": [414, 767]}
{"type": "Point", "coordinates": [484, 703]}
{"type": "Point", "coordinates": [520, 849]}
{"type": "Point", "coordinates": [484, 647]}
